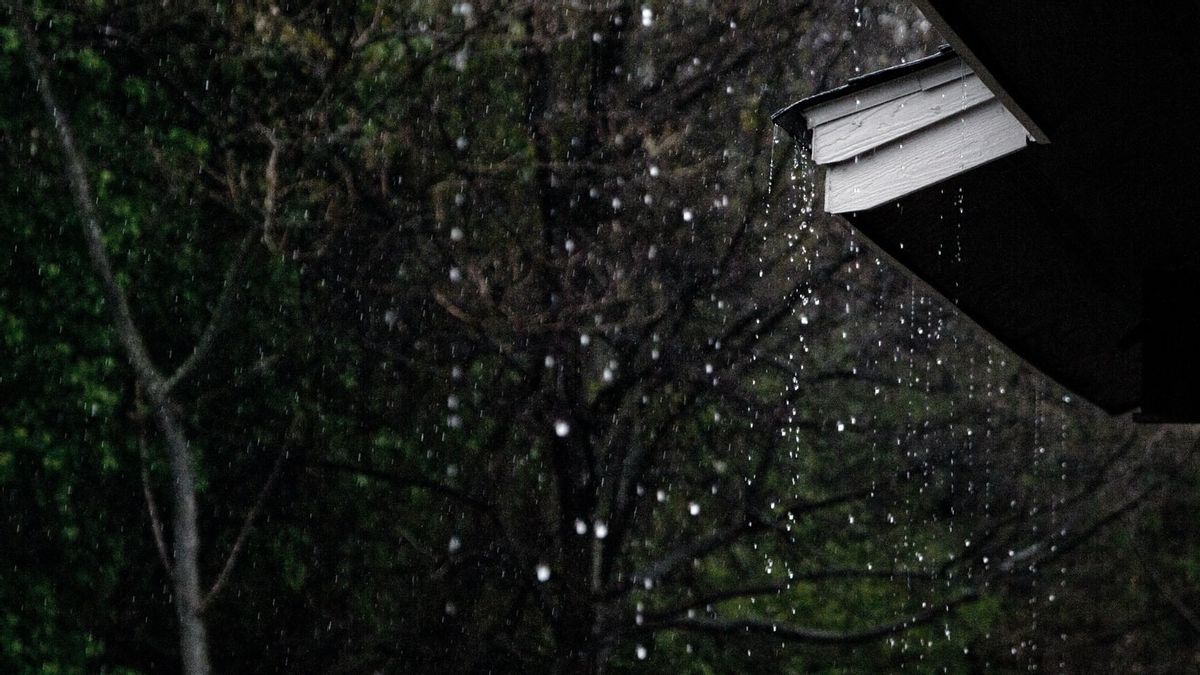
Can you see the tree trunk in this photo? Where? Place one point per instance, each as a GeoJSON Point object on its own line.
{"type": "Point", "coordinates": [185, 571]}
{"type": "Point", "coordinates": [576, 645]}
{"type": "Point", "coordinates": [193, 635]}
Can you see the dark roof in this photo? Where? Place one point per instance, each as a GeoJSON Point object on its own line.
{"type": "Point", "coordinates": [1022, 264]}
{"type": "Point", "coordinates": [1058, 241]}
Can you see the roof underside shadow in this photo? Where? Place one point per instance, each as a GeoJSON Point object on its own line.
{"type": "Point", "coordinates": [1053, 244]}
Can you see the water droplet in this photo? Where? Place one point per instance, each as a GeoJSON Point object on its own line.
{"type": "Point", "coordinates": [562, 428]}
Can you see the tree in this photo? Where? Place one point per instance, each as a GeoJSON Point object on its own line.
{"type": "Point", "coordinates": [182, 563]}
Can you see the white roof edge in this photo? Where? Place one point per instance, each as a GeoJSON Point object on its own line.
{"type": "Point", "coordinates": [884, 92]}
{"type": "Point", "coordinates": [867, 129]}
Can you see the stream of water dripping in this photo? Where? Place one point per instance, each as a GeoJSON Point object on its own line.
{"type": "Point", "coordinates": [771, 164]}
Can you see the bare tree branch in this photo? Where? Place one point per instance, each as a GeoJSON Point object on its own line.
{"type": "Point", "coordinates": [271, 179]}
{"type": "Point", "coordinates": [405, 481]}
{"type": "Point", "coordinates": [1187, 613]}
{"type": "Point", "coordinates": [696, 548]}
{"type": "Point", "coordinates": [244, 532]}
{"type": "Point", "coordinates": [771, 587]}
{"type": "Point", "coordinates": [156, 526]}
{"type": "Point", "coordinates": [803, 634]}
{"type": "Point", "coordinates": [220, 314]}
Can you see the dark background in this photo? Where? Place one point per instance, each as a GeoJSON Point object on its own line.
{"type": "Point", "coordinates": [553, 361]}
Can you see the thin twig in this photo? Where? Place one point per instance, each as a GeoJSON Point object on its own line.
{"type": "Point", "coordinates": [220, 314]}
{"type": "Point", "coordinates": [1181, 608]}
{"type": "Point", "coordinates": [792, 633]}
{"type": "Point", "coordinates": [244, 533]}
{"type": "Point", "coordinates": [271, 178]}
{"type": "Point", "coordinates": [156, 526]}
{"type": "Point", "coordinates": [405, 481]}
{"type": "Point", "coordinates": [365, 36]}
{"type": "Point", "coordinates": [768, 588]}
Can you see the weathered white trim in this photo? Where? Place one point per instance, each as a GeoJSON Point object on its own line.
{"type": "Point", "coordinates": [883, 92]}
{"type": "Point", "coordinates": [870, 128]}
{"type": "Point", "coordinates": [937, 152]}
